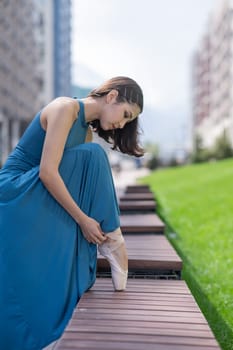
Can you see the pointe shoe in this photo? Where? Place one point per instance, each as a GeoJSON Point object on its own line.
{"type": "Point", "coordinates": [114, 250]}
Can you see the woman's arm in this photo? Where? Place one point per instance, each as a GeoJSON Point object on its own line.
{"type": "Point", "coordinates": [57, 118]}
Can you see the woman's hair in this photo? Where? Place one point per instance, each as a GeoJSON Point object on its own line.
{"type": "Point", "coordinates": [126, 139]}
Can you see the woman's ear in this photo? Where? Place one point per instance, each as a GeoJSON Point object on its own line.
{"type": "Point", "coordinates": [112, 96]}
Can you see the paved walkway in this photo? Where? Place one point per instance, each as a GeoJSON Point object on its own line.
{"type": "Point", "coordinates": [128, 177]}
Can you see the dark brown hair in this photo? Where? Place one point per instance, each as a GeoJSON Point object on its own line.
{"type": "Point", "coordinates": [126, 139]}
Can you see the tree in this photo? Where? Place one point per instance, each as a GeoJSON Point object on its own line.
{"type": "Point", "coordinates": [222, 148]}
{"type": "Point", "coordinates": [152, 150]}
{"type": "Point", "coordinates": [200, 154]}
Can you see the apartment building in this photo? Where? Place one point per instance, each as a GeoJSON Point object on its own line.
{"type": "Point", "coordinates": [212, 78]}
{"type": "Point", "coordinates": [19, 84]}
{"type": "Point", "coordinates": [35, 62]}
{"type": "Point", "coordinates": [62, 47]}
{"type": "Point", "coordinates": [55, 46]}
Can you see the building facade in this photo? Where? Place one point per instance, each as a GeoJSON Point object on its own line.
{"type": "Point", "coordinates": [19, 84]}
{"type": "Point", "coordinates": [56, 48]}
{"type": "Point", "coordinates": [62, 47]}
{"type": "Point", "coordinates": [212, 78]}
{"type": "Point", "coordinates": [35, 62]}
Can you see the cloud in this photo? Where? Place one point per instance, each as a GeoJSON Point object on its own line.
{"type": "Point", "coordinates": [85, 76]}
{"type": "Point", "coordinates": [152, 42]}
{"type": "Point", "coordinates": [168, 128]}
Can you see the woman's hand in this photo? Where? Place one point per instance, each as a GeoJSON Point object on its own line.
{"type": "Point", "coordinates": [91, 230]}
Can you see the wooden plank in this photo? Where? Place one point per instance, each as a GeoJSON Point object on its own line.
{"type": "Point", "coordinates": [147, 253]}
{"type": "Point", "coordinates": [137, 189]}
{"type": "Point", "coordinates": [121, 345]}
{"type": "Point", "coordinates": [150, 314]}
{"type": "Point", "coordinates": [137, 196]}
{"type": "Point", "coordinates": [162, 287]}
{"type": "Point", "coordinates": [141, 223]}
{"type": "Point", "coordinates": [137, 205]}
{"type": "Point", "coordinates": [136, 186]}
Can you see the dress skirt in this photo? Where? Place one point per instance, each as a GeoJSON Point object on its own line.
{"type": "Point", "coordinates": [46, 264]}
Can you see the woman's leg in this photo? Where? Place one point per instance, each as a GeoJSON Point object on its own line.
{"type": "Point", "coordinates": [97, 198]}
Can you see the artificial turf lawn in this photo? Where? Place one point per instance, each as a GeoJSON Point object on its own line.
{"type": "Point", "coordinates": [196, 202]}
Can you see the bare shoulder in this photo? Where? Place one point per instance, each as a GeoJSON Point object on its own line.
{"type": "Point", "coordinates": [58, 107]}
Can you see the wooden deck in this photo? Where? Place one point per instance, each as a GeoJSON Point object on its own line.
{"type": "Point", "coordinates": [150, 315]}
{"type": "Point", "coordinates": [137, 196]}
{"type": "Point", "coordinates": [153, 313]}
{"type": "Point", "coordinates": [137, 189]}
{"type": "Point", "coordinates": [141, 223]}
{"type": "Point", "coordinates": [137, 206]}
{"type": "Point", "coordinates": [148, 253]}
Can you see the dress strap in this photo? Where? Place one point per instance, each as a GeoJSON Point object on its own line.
{"type": "Point", "coordinates": [81, 113]}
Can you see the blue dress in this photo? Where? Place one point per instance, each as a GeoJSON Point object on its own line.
{"type": "Point", "coordinates": [46, 264]}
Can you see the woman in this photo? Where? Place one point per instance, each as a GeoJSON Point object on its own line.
{"type": "Point", "coordinates": [57, 202]}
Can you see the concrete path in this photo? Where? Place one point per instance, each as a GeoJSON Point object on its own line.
{"type": "Point", "coordinates": [128, 177]}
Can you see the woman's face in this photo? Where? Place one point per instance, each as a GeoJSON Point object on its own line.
{"type": "Point", "coordinates": [115, 115]}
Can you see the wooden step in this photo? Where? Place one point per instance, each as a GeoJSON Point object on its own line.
{"type": "Point", "coordinates": [137, 189]}
{"type": "Point", "coordinates": [150, 315]}
{"type": "Point", "coordinates": [141, 223]}
{"type": "Point", "coordinates": [148, 254]}
{"type": "Point", "coordinates": [137, 196]}
{"type": "Point", "coordinates": [137, 206]}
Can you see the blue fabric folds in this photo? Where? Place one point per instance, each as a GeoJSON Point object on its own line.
{"type": "Point", "coordinates": [45, 262]}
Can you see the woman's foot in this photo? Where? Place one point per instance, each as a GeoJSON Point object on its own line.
{"type": "Point", "coordinates": [114, 250]}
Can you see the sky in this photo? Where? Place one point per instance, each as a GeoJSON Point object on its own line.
{"type": "Point", "coordinates": [151, 41]}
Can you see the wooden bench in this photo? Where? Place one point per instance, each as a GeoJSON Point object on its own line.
{"type": "Point", "coordinates": [137, 206]}
{"type": "Point", "coordinates": [150, 315]}
{"type": "Point", "coordinates": [148, 255]}
{"type": "Point", "coordinates": [137, 189]}
{"type": "Point", "coordinates": [137, 196]}
{"type": "Point", "coordinates": [141, 223]}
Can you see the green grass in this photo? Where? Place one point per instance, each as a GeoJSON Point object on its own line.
{"type": "Point", "coordinates": [196, 202]}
